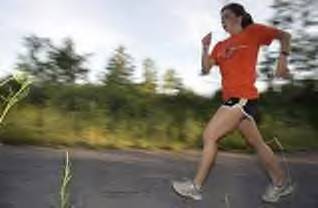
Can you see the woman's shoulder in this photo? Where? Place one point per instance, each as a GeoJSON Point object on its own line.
{"type": "Point", "coordinates": [252, 26]}
{"type": "Point", "coordinates": [256, 26]}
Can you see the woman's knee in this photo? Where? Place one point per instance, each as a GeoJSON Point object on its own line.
{"type": "Point", "coordinates": [258, 144]}
{"type": "Point", "coordinates": [209, 137]}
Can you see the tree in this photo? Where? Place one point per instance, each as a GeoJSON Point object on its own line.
{"type": "Point", "coordinates": [299, 17]}
{"type": "Point", "coordinates": [50, 63]}
{"type": "Point", "coordinates": [307, 44]}
{"type": "Point", "coordinates": [119, 68]}
{"type": "Point", "coordinates": [34, 61]}
{"type": "Point", "coordinates": [67, 63]}
{"type": "Point", "coordinates": [266, 68]}
{"type": "Point", "coordinates": [150, 76]}
{"type": "Point", "coordinates": [283, 18]}
{"type": "Point", "coordinates": [171, 82]}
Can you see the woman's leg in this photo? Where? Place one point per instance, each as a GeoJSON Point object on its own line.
{"type": "Point", "coordinates": [223, 121]}
{"type": "Point", "coordinates": [250, 132]}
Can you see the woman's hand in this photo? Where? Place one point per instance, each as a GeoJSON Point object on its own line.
{"type": "Point", "coordinates": [206, 40]}
{"type": "Point", "coordinates": [206, 61]}
{"type": "Point", "coordinates": [282, 69]}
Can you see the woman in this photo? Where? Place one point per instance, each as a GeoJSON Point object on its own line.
{"type": "Point", "coordinates": [236, 56]}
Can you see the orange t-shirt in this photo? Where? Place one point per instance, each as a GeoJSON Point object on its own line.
{"type": "Point", "coordinates": [237, 56]}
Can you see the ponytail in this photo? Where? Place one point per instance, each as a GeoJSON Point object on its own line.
{"type": "Point", "coordinates": [247, 20]}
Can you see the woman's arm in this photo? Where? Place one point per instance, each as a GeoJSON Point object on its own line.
{"type": "Point", "coordinates": [265, 34]}
{"type": "Point", "coordinates": [284, 39]}
{"type": "Point", "coordinates": [206, 61]}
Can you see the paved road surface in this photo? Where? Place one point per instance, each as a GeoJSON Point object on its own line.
{"type": "Point", "coordinates": [30, 176]}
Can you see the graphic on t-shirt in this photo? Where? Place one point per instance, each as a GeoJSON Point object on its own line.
{"type": "Point", "coordinates": [229, 51]}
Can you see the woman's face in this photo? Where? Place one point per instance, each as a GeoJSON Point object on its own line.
{"type": "Point", "coordinates": [230, 21]}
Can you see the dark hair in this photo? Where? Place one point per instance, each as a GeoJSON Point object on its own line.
{"type": "Point", "coordinates": [239, 10]}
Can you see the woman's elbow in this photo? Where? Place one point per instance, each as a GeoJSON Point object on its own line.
{"type": "Point", "coordinates": [284, 35]}
{"type": "Point", "coordinates": [288, 35]}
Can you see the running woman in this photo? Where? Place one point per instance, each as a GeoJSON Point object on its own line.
{"type": "Point", "coordinates": [236, 57]}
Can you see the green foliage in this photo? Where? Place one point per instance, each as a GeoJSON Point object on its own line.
{"type": "Point", "coordinates": [171, 82]}
{"type": "Point", "coordinates": [299, 17]}
{"type": "Point", "coordinates": [150, 76]}
{"type": "Point", "coordinates": [119, 68]}
{"type": "Point", "coordinates": [68, 65]}
{"type": "Point", "coordinates": [12, 90]}
{"type": "Point", "coordinates": [53, 64]}
{"type": "Point", "coordinates": [126, 117]}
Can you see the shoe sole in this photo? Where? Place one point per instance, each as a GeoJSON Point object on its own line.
{"type": "Point", "coordinates": [184, 195]}
{"type": "Point", "coordinates": [289, 190]}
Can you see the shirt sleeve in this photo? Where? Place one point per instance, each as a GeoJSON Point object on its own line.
{"type": "Point", "coordinates": [214, 52]}
{"type": "Point", "coordinates": [265, 34]}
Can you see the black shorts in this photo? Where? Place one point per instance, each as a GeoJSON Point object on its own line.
{"type": "Point", "coordinates": [248, 106]}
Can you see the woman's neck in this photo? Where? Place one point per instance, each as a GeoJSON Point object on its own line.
{"type": "Point", "coordinates": [236, 31]}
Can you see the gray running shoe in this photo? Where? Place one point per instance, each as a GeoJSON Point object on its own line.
{"type": "Point", "coordinates": [273, 193]}
{"type": "Point", "coordinates": [187, 189]}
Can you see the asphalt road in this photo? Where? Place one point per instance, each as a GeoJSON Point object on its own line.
{"type": "Point", "coordinates": [30, 178]}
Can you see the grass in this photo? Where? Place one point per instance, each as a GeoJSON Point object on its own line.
{"type": "Point", "coordinates": [12, 97]}
{"type": "Point", "coordinates": [175, 129]}
{"type": "Point", "coordinates": [49, 126]}
{"type": "Point", "coordinates": [66, 179]}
